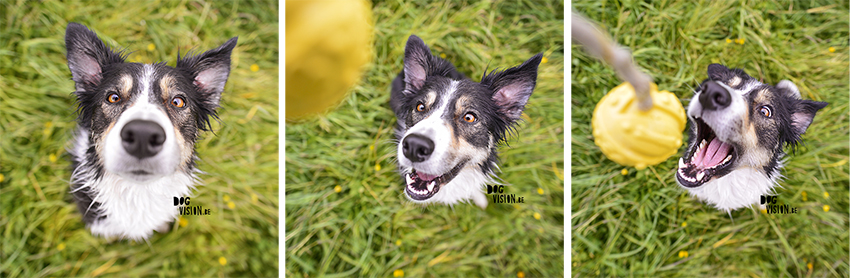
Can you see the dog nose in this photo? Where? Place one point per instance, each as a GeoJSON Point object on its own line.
{"type": "Point", "coordinates": [714, 96]}
{"type": "Point", "coordinates": [417, 148]}
{"type": "Point", "coordinates": [142, 138]}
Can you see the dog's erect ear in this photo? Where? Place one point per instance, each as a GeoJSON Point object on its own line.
{"type": "Point", "coordinates": [512, 87]}
{"type": "Point", "coordinates": [717, 72]}
{"type": "Point", "coordinates": [790, 87]}
{"type": "Point", "coordinates": [417, 61]}
{"type": "Point", "coordinates": [209, 70]}
{"type": "Point", "coordinates": [87, 55]}
{"type": "Point", "coordinates": [804, 114]}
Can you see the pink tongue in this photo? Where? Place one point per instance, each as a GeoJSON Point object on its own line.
{"type": "Point", "coordinates": [712, 154]}
{"type": "Point", "coordinates": [425, 177]}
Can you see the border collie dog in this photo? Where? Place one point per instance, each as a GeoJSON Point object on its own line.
{"type": "Point", "coordinates": [449, 127]}
{"type": "Point", "coordinates": [137, 126]}
{"type": "Point", "coordinates": [739, 127]}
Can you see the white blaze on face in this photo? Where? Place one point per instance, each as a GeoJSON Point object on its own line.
{"type": "Point", "coordinates": [142, 107]}
{"type": "Point", "coordinates": [438, 130]}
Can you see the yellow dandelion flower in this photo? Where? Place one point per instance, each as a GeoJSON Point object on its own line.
{"type": "Point", "coordinates": [520, 274]}
{"type": "Point", "coordinates": [48, 128]}
{"type": "Point", "coordinates": [231, 205]}
{"type": "Point", "coordinates": [831, 49]}
{"type": "Point", "coordinates": [742, 40]}
{"type": "Point", "coordinates": [255, 68]}
{"type": "Point", "coordinates": [2, 177]}
{"type": "Point", "coordinates": [52, 157]}
{"type": "Point", "coordinates": [537, 216]}
{"type": "Point", "coordinates": [826, 208]}
{"type": "Point", "coordinates": [540, 191]}
{"type": "Point", "coordinates": [728, 40]}
{"type": "Point", "coordinates": [684, 224]}
{"type": "Point", "coordinates": [804, 196]}
{"type": "Point", "coordinates": [683, 254]}
{"type": "Point", "coordinates": [254, 197]}
{"type": "Point", "coordinates": [226, 198]}
{"type": "Point", "coordinates": [763, 211]}
{"type": "Point", "coordinates": [516, 206]}
{"type": "Point", "coordinates": [377, 166]}
{"type": "Point", "coordinates": [809, 266]}
{"type": "Point", "coordinates": [337, 189]}
{"type": "Point", "coordinates": [443, 55]}
{"type": "Point", "coordinates": [544, 60]}
{"type": "Point", "coordinates": [151, 47]}
{"type": "Point", "coordinates": [826, 195]}
{"type": "Point", "coordinates": [222, 260]}
{"type": "Point", "coordinates": [624, 171]}
{"type": "Point", "coordinates": [371, 147]}
{"type": "Point", "coordinates": [183, 222]}
{"type": "Point", "coordinates": [60, 247]}
{"type": "Point", "coordinates": [398, 273]}
{"type": "Point", "coordinates": [398, 242]}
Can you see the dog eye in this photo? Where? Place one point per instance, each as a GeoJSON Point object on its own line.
{"type": "Point", "coordinates": [765, 110]}
{"type": "Point", "coordinates": [178, 102]}
{"type": "Point", "coordinates": [113, 97]}
{"type": "Point", "coordinates": [420, 107]}
{"type": "Point", "coordinates": [469, 117]}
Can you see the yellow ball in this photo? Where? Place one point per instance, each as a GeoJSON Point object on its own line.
{"type": "Point", "coordinates": [328, 43]}
{"type": "Point", "coordinates": [637, 138]}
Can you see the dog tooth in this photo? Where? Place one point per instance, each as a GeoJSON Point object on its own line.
{"type": "Point", "coordinates": [681, 162]}
{"type": "Point", "coordinates": [431, 186]}
{"type": "Point", "coordinates": [728, 157]}
{"type": "Point", "coordinates": [408, 179]}
{"type": "Point", "coordinates": [700, 175]}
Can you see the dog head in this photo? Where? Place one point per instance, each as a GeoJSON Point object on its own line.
{"type": "Point", "coordinates": [143, 119]}
{"type": "Point", "coordinates": [449, 126]}
{"type": "Point", "coordinates": [739, 127]}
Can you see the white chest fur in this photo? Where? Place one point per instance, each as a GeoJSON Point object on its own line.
{"type": "Point", "coordinates": [135, 210]}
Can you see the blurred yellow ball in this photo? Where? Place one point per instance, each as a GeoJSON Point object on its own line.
{"type": "Point", "coordinates": [328, 43]}
{"type": "Point", "coordinates": [637, 138]}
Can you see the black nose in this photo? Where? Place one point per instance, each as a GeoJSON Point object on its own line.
{"type": "Point", "coordinates": [417, 148]}
{"type": "Point", "coordinates": [714, 96]}
{"type": "Point", "coordinates": [142, 138]}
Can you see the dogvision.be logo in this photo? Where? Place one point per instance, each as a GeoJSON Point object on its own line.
{"type": "Point", "coordinates": [503, 198]}
{"type": "Point", "coordinates": [187, 210]}
{"type": "Point", "coordinates": [772, 208]}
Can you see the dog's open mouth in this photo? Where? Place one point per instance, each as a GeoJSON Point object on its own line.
{"type": "Point", "coordinates": [421, 186]}
{"type": "Point", "coordinates": [708, 158]}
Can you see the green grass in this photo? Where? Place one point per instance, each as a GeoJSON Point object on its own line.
{"type": "Point", "coordinates": [638, 224]}
{"type": "Point", "coordinates": [42, 230]}
{"type": "Point", "coordinates": [370, 228]}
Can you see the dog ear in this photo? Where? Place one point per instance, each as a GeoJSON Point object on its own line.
{"type": "Point", "coordinates": [804, 114]}
{"type": "Point", "coordinates": [717, 72]}
{"type": "Point", "coordinates": [417, 58]}
{"type": "Point", "coordinates": [209, 70]}
{"type": "Point", "coordinates": [87, 55]}
{"type": "Point", "coordinates": [512, 87]}
{"type": "Point", "coordinates": [788, 85]}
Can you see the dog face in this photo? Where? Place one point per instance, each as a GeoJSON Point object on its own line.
{"type": "Point", "coordinates": [449, 126]}
{"type": "Point", "coordinates": [142, 120]}
{"type": "Point", "coordinates": [739, 127]}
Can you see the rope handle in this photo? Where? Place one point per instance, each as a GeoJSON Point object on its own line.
{"type": "Point", "coordinates": [600, 45]}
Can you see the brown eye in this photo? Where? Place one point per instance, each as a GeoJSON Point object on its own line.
{"type": "Point", "coordinates": [113, 98]}
{"type": "Point", "coordinates": [469, 117]}
{"type": "Point", "coordinates": [178, 102]}
{"type": "Point", "coordinates": [420, 107]}
{"type": "Point", "coordinates": [765, 110]}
